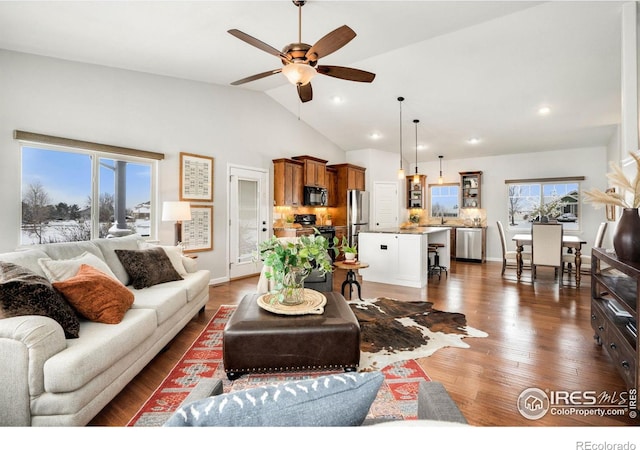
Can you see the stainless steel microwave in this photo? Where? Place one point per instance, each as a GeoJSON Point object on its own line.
{"type": "Point", "coordinates": [315, 196]}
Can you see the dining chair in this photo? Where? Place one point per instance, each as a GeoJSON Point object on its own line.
{"type": "Point", "coordinates": [509, 257]}
{"type": "Point", "coordinates": [546, 248]}
{"type": "Point", "coordinates": [585, 260]}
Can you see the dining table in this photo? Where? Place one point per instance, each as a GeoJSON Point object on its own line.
{"type": "Point", "coordinates": [572, 242]}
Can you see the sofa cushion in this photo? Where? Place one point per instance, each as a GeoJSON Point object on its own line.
{"type": "Point", "coordinates": [108, 247]}
{"type": "Point", "coordinates": [62, 269]}
{"type": "Point", "coordinates": [24, 293]}
{"type": "Point", "coordinates": [166, 299]}
{"type": "Point", "coordinates": [96, 295]}
{"type": "Point", "coordinates": [332, 400]}
{"type": "Point", "coordinates": [147, 267]}
{"type": "Point", "coordinates": [101, 347]}
{"type": "Point", "coordinates": [27, 258]}
{"type": "Point", "coordinates": [68, 250]}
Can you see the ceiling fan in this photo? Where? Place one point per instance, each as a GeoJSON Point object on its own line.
{"type": "Point", "coordinates": [300, 60]}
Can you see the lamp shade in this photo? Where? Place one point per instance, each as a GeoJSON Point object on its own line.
{"type": "Point", "coordinates": [299, 73]}
{"type": "Point", "coordinates": [176, 211]}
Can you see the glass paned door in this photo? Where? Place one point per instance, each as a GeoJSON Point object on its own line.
{"type": "Point", "coordinates": [248, 219]}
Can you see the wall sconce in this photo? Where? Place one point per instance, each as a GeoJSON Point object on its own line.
{"type": "Point", "coordinates": [178, 212]}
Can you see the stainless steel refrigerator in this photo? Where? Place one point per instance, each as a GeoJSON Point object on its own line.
{"type": "Point", "coordinates": [357, 214]}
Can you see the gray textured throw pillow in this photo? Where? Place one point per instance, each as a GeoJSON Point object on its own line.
{"type": "Point", "coordinates": [25, 293]}
{"type": "Point", "coordinates": [147, 267]}
{"type": "Point", "coordinates": [332, 400]}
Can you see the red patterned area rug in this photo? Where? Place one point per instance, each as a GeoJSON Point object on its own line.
{"type": "Point", "coordinates": [396, 399]}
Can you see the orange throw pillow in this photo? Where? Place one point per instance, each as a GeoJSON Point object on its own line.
{"type": "Point", "coordinates": [96, 296]}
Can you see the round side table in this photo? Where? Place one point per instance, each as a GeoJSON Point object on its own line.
{"type": "Point", "coordinates": [351, 275]}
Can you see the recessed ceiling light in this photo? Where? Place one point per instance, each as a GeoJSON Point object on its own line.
{"type": "Point", "coordinates": [544, 110]}
{"type": "Point", "coordinates": [375, 135]}
{"type": "Point", "coordinates": [473, 141]}
{"type": "Point", "coordinates": [336, 99]}
{"type": "Point", "coordinates": [422, 147]}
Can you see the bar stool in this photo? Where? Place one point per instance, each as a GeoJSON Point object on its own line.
{"type": "Point", "coordinates": [436, 268]}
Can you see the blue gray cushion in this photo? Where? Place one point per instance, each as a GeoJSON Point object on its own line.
{"type": "Point", "coordinates": [333, 400]}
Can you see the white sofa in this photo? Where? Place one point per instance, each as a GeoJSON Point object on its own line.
{"type": "Point", "coordinates": [48, 380]}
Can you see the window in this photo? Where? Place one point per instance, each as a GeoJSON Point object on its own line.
{"type": "Point", "coordinates": [545, 199]}
{"type": "Point", "coordinates": [445, 200]}
{"type": "Point", "coordinates": [74, 194]}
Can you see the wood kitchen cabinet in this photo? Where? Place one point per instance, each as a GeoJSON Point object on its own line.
{"type": "Point", "coordinates": [470, 190]}
{"type": "Point", "coordinates": [349, 176]}
{"type": "Point", "coordinates": [314, 170]}
{"type": "Point", "coordinates": [331, 177]}
{"type": "Point", "coordinates": [416, 192]}
{"type": "Point", "coordinates": [288, 182]}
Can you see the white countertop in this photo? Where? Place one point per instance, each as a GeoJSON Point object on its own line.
{"type": "Point", "coordinates": [416, 230]}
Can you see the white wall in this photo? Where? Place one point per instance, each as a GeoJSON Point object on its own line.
{"type": "Point", "coordinates": [146, 112]}
{"type": "Point", "coordinates": [592, 163]}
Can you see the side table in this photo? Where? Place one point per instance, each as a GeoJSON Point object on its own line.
{"type": "Point", "coordinates": [351, 275]}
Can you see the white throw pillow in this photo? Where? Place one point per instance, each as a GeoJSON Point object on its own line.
{"type": "Point", "coordinates": [173, 252]}
{"type": "Point", "coordinates": [63, 269]}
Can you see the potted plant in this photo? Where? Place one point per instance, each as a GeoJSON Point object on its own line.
{"type": "Point", "coordinates": [626, 240]}
{"type": "Point", "coordinates": [290, 262]}
{"type": "Point", "coordinates": [350, 251]}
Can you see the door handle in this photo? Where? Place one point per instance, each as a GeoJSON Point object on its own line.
{"type": "Point", "coordinates": [264, 229]}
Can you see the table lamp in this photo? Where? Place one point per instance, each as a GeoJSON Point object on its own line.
{"type": "Point", "coordinates": [176, 211]}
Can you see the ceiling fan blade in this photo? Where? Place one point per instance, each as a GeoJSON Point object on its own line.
{"type": "Point", "coordinates": [258, 44]}
{"type": "Point", "coordinates": [256, 77]}
{"type": "Point", "coordinates": [347, 73]}
{"type": "Point", "coordinates": [305, 92]}
{"type": "Point", "coordinates": [331, 42]}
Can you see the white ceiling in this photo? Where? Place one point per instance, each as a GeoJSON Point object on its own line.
{"type": "Point", "coordinates": [466, 69]}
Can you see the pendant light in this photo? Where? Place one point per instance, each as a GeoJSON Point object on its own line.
{"type": "Point", "coordinates": [440, 179]}
{"type": "Point", "coordinates": [416, 177]}
{"type": "Point", "coordinates": [401, 170]}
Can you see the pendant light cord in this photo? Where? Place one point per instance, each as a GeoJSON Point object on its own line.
{"type": "Point", "coordinates": [400, 99]}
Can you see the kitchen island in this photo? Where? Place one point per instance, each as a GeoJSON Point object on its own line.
{"type": "Point", "coordinates": [399, 255]}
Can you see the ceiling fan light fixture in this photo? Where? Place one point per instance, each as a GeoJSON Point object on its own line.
{"type": "Point", "coordinates": [299, 73]}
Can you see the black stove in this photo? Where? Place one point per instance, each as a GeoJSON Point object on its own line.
{"type": "Point", "coordinates": [309, 221]}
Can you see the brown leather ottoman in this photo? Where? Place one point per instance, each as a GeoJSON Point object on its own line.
{"type": "Point", "coordinates": [255, 340]}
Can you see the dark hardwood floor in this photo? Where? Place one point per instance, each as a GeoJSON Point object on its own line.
{"type": "Point", "coordinates": [539, 336]}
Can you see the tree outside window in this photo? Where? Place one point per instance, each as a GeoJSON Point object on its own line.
{"type": "Point", "coordinates": [58, 203]}
{"type": "Point", "coordinates": [555, 201]}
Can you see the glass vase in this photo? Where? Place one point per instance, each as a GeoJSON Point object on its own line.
{"type": "Point", "coordinates": [292, 292]}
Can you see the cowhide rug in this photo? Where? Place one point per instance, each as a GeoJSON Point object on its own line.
{"type": "Point", "coordinates": [393, 330]}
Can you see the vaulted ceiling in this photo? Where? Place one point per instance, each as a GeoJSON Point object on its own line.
{"type": "Point", "coordinates": [475, 69]}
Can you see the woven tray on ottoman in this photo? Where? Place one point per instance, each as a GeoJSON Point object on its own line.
{"type": "Point", "coordinates": [255, 340]}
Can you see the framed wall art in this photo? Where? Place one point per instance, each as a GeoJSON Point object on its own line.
{"type": "Point", "coordinates": [197, 233]}
{"type": "Point", "coordinates": [196, 178]}
{"type": "Point", "coordinates": [610, 209]}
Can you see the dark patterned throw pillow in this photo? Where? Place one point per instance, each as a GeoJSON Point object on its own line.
{"type": "Point", "coordinates": [148, 267]}
{"type": "Point", "coordinates": [25, 293]}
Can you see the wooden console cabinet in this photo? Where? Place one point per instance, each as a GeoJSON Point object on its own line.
{"type": "Point", "coordinates": [614, 311]}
